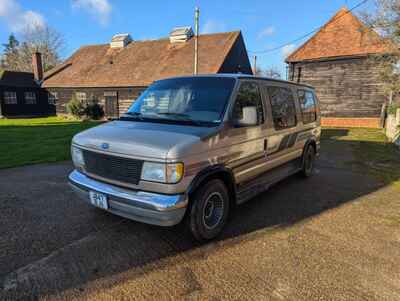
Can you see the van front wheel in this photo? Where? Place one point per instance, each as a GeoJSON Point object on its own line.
{"type": "Point", "coordinates": [209, 210]}
{"type": "Point", "coordinates": [308, 162]}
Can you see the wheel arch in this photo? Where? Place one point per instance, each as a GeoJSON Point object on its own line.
{"type": "Point", "coordinates": [215, 172]}
{"type": "Point", "coordinates": [310, 142]}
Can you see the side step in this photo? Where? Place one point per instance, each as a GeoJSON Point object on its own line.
{"type": "Point", "coordinates": [254, 187]}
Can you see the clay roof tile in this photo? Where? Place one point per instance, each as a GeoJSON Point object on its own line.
{"type": "Point", "coordinates": [343, 35]}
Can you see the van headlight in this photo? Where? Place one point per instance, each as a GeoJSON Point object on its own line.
{"type": "Point", "coordinates": [170, 173]}
{"type": "Point", "coordinates": [77, 157]}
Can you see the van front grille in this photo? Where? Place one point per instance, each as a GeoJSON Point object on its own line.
{"type": "Point", "coordinates": [114, 168]}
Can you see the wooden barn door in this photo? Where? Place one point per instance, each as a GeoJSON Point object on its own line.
{"type": "Point", "coordinates": [111, 104]}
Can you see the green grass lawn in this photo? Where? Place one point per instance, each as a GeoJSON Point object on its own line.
{"type": "Point", "coordinates": [372, 153]}
{"type": "Point", "coordinates": [37, 140]}
{"type": "Point", "coordinates": [41, 140]}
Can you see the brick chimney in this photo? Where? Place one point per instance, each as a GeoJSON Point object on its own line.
{"type": "Point", "coordinates": [37, 66]}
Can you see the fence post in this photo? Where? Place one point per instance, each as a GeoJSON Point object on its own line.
{"type": "Point", "coordinates": [382, 122]}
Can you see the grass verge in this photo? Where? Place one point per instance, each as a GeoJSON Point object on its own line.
{"type": "Point", "coordinates": [372, 152]}
{"type": "Point", "coordinates": [37, 140]}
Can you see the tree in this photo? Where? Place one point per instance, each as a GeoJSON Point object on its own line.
{"type": "Point", "coordinates": [9, 59]}
{"type": "Point", "coordinates": [385, 20]}
{"type": "Point", "coordinates": [18, 56]}
{"type": "Point", "coordinates": [271, 72]}
{"type": "Point", "coordinates": [47, 41]}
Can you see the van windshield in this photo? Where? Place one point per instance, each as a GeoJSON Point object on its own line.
{"type": "Point", "coordinates": [195, 100]}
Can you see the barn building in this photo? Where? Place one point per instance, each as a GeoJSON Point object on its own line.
{"type": "Point", "coordinates": [116, 73]}
{"type": "Point", "coordinates": [21, 94]}
{"type": "Point", "coordinates": [337, 62]}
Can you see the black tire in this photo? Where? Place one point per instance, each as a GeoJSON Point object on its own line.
{"type": "Point", "coordinates": [209, 210]}
{"type": "Point", "coordinates": [308, 162]}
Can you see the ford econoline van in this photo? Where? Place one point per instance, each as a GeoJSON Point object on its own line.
{"type": "Point", "coordinates": [191, 148]}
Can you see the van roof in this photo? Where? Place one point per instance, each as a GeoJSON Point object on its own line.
{"type": "Point", "coordinates": [246, 76]}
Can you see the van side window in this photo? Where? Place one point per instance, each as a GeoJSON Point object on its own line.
{"type": "Point", "coordinates": [248, 96]}
{"type": "Point", "coordinates": [308, 106]}
{"type": "Point", "coordinates": [283, 107]}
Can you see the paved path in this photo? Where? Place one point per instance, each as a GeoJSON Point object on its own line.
{"type": "Point", "coordinates": [334, 236]}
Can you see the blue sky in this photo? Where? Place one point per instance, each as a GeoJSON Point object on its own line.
{"type": "Point", "coordinates": [264, 24]}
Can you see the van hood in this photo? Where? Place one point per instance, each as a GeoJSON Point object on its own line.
{"type": "Point", "coordinates": [143, 139]}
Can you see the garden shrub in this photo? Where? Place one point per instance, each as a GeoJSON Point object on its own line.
{"type": "Point", "coordinates": [94, 110]}
{"type": "Point", "coordinates": [76, 108]}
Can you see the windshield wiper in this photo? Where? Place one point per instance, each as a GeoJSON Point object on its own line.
{"type": "Point", "coordinates": [181, 117]}
{"type": "Point", "coordinates": [136, 115]}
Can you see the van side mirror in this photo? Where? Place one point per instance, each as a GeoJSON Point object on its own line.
{"type": "Point", "coordinates": [249, 117]}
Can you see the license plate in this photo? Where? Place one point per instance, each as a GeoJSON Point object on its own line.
{"type": "Point", "coordinates": [98, 199]}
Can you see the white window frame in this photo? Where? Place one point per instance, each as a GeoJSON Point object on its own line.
{"type": "Point", "coordinates": [30, 97]}
{"type": "Point", "coordinates": [52, 97]}
{"type": "Point", "coordinates": [81, 96]}
{"type": "Point", "coordinates": [10, 97]}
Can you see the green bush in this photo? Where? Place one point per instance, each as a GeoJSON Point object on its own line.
{"type": "Point", "coordinates": [392, 108]}
{"type": "Point", "coordinates": [76, 108]}
{"type": "Point", "coordinates": [91, 109]}
{"type": "Point", "coordinates": [94, 110]}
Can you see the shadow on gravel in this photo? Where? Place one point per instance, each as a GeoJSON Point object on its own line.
{"type": "Point", "coordinates": [347, 170]}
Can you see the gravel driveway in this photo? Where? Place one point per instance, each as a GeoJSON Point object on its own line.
{"type": "Point", "coordinates": [333, 236]}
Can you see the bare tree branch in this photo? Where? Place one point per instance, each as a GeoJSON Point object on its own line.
{"type": "Point", "coordinates": [43, 39]}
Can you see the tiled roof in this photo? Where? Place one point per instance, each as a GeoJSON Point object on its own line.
{"type": "Point", "coordinates": [344, 35]}
{"type": "Point", "coordinates": [140, 62]}
{"type": "Point", "coordinates": [17, 79]}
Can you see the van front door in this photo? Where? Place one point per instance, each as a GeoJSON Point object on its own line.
{"type": "Point", "coordinates": [111, 104]}
{"type": "Point", "coordinates": [248, 141]}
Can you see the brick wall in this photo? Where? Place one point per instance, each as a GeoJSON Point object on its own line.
{"type": "Point", "coordinates": [350, 122]}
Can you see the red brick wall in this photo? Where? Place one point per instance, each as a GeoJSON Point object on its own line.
{"type": "Point", "coordinates": [351, 122]}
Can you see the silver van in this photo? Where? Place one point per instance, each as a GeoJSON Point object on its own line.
{"type": "Point", "coordinates": [192, 148]}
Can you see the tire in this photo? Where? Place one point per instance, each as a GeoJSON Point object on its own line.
{"type": "Point", "coordinates": [209, 210]}
{"type": "Point", "coordinates": [308, 162]}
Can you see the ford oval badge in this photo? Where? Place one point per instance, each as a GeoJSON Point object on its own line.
{"type": "Point", "coordinates": [105, 146]}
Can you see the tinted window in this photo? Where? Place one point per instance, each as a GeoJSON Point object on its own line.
{"type": "Point", "coordinates": [283, 107]}
{"type": "Point", "coordinates": [195, 98]}
{"type": "Point", "coordinates": [248, 96]}
{"type": "Point", "coordinates": [308, 106]}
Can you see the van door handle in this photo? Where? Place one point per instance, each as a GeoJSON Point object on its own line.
{"type": "Point", "coordinates": [265, 147]}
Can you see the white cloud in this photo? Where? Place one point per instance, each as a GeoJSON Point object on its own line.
{"type": "Point", "coordinates": [100, 9]}
{"type": "Point", "coordinates": [268, 31]}
{"type": "Point", "coordinates": [18, 19]}
{"type": "Point", "coordinates": [213, 26]}
{"type": "Point", "coordinates": [288, 50]}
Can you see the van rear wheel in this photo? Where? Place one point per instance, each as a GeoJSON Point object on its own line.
{"type": "Point", "coordinates": [308, 162]}
{"type": "Point", "coordinates": [209, 210]}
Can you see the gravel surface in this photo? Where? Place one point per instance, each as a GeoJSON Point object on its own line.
{"type": "Point", "coordinates": [333, 236]}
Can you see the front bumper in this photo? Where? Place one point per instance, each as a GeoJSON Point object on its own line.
{"type": "Point", "coordinates": [146, 207]}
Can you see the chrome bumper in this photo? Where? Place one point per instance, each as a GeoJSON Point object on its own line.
{"type": "Point", "coordinates": [146, 207]}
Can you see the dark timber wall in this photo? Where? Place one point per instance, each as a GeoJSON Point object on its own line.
{"type": "Point", "coordinates": [125, 96]}
{"type": "Point", "coordinates": [345, 87]}
{"type": "Point", "coordinates": [40, 108]}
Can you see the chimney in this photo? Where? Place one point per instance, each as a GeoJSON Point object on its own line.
{"type": "Point", "coordinates": [37, 66]}
{"type": "Point", "coordinates": [120, 40]}
{"type": "Point", "coordinates": [181, 34]}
